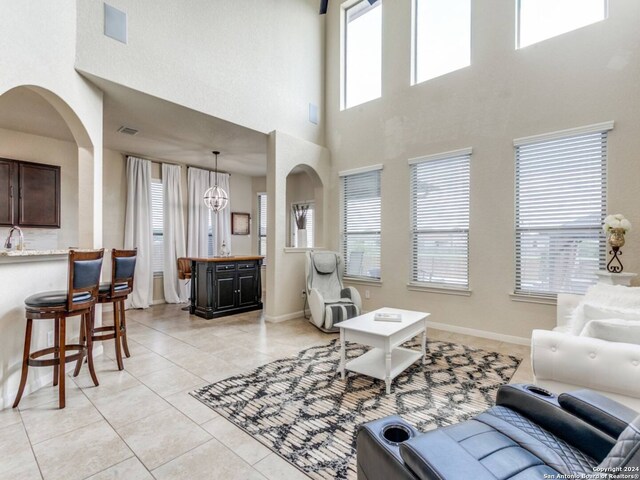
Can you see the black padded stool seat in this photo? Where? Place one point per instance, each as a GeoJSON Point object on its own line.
{"type": "Point", "coordinates": [123, 266]}
{"type": "Point", "coordinates": [78, 300]}
{"type": "Point", "coordinates": [56, 298]}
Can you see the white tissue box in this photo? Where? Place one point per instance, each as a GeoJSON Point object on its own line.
{"type": "Point", "coordinates": [387, 317]}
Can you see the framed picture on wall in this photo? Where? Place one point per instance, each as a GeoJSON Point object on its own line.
{"type": "Point", "coordinates": [240, 223]}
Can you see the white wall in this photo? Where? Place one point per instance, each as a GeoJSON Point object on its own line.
{"type": "Point", "coordinates": [257, 63]}
{"type": "Point", "coordinates": [34, 148]}
{"type": "Point", "coordinates": [580, 78]}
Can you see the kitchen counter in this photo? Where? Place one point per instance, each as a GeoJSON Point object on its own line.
{"type": "Point", "coordinates": [16, 256]}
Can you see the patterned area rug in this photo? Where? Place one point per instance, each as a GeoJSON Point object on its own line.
{"type": "Point", "coordinates": [301, 409]}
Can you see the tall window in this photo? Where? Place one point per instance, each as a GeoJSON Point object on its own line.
{"type": "Point", "coordinates": [157, 254]}
{"type": "Point", "coordinates": [542, 19]}
{"type": "Point", "coordinates": [262, 224]}
{"type": "Point", "coordinates": [561, 186]}
{"type": "Point", "coordinates": [440, 219]}
{"type": "Point", "coordinates": [442, 37]}
{"type": "Point", "coordinates": [361, 224]}
{"type": "Point", "coordinates": [362, 74]}
{"type": "Point", "coordinates": [295, 240]}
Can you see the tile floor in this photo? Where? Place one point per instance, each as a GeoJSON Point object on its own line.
{"type": "Point", "coordinates": [141, 423]}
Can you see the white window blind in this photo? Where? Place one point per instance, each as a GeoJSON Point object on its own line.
{"type": "Point", "coordinates": [440, 221]}
{"type": "Point", "coordinates": [157, 256]}
{"type": "Point", "coordinates": [561, 192]}
{"type": "Point", "coordinates": [262, 224]}
{"type": "Point", "coordinates": [210, 236]}
{"type": "Point", "coordinates": [309, 229]}
{"type": "Point", "coordinates": [361, 224]}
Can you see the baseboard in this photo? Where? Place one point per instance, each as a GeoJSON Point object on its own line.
{"type": "Point", "coordinates": [35, 384]}
{"type": "Point", "coordinates": [480, 333]}
{"type": "Point", "coordinates": [285, 317]}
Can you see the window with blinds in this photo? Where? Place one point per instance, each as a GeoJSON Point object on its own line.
{"type": "Point", "coordinates": [309, 230]}
{"type": "Point", "coordinates": [262, 224]}
{"type": "Point", "coordinates": [561, 192]}
{"type": "Point", "coordinates": [157, 254]}
{"type": "Point", "coordinates": [361, 224]}
{"type": "Point", "coordinates": [440, 220]}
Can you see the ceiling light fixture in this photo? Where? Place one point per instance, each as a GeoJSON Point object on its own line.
{"type": "Point", "coordinates": [215, 198]}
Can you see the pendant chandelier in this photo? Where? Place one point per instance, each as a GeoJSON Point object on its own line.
{"type": "Point", "coordinates": [215, 198]}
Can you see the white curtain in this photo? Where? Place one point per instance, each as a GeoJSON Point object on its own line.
{"type": "Point", "coordinates": [138, 230]}
{"type": "Point", "coordinates": [221, 221]}
{"type": "Point", "coordinates": [198, 235]}
{"type": "Point", "coordinates": [172, 233]}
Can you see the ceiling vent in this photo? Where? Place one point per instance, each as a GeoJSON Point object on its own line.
{"type": "Point", "coordinates": [127, 130]}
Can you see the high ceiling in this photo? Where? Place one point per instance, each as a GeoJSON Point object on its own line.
{"type": "Point", "coordinates": [166, 131]}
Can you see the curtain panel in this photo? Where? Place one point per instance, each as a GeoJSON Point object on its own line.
{"type": "Point", "coordinates": [138, 231]}
{"type": "Point", "coordinates": [173, 233]}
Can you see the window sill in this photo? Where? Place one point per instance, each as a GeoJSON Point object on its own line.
{"type": "Point", "coordinates": [527, 298]}
{"type": "Point", "coordinates": [421, 287]}
{"type": "Point", "coordinates": [363, 281]}
{"type": "Point", "coordinates": [300, 249]}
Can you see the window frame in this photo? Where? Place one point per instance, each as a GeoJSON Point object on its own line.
{"type": "Point", "coordinates": [344, 24]}
{"type": "Point", "coordinates": [520, 294]}
{"type": "Point", "coordinates": [518, 26]}
{"type": "Point", "coordinates": [455, 155]}
{"type": "Point", "coordinates": [343, 227]}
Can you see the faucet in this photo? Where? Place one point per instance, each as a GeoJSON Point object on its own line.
{"type": "Point", "coordinates": [8, 244]}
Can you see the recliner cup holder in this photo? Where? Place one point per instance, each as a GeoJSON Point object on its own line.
{"type": "Point", "coordinates": [395, 434]}
{"type": "Point", "coordinates": [539, 391]}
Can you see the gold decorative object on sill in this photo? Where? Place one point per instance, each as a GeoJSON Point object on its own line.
{"type": "Point", "coordinates": [616, 237]}
{"type": "Point", "coordinates": [615, 227]}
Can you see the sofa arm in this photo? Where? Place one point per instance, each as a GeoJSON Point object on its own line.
{"type": "Point", "coordinates": [588, 362]}
{"type": "Point", "coordinates": [603, 413]}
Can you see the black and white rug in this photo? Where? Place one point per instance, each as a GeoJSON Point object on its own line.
{"type": "Point", "coordinates": [301, 409]}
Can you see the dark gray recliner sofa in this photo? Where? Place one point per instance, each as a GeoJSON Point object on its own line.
{"type": "Point", "coordinates": [529, 435]}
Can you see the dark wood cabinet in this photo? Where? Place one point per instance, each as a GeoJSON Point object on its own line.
{"type": "Point", "coordinates": [29, 194]}
{"type": "Point", "coordinates": [225, 286]}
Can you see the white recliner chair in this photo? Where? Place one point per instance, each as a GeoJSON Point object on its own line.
{"type": "Point", "coordinates": [329, 301]}
{"type": "Point", "coordinates": [563, 360]}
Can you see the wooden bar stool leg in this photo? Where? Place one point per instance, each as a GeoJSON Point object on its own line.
{"type": "Point", "coordinates": [63, 347]}
{"type": "Point", "coordinates": [82, 341]}
{"type": "Point", "coordinates": [91, 321]}
{"type": "Point", "coordinates": [56, 344]}
{"type": "Point", "coordinates": [123, 326]}
{"type": "Point", "coordinates": [116, 327]}
{"type": "Point", "coordinates": [25, 362]}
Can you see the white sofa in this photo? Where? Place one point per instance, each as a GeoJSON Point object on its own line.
{"type": "Point", "coordinates": [563, 361]}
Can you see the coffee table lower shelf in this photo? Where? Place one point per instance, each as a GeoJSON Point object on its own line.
{"type": "Point", "coordinates": [373, 362]}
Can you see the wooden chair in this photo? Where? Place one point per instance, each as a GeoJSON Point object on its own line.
{"type": "Point", "coordinates": [184, 272]}
{"type": "Point", "coordinates": [123, 266]}
{"type": "Point", "coordinates": [79, 299]}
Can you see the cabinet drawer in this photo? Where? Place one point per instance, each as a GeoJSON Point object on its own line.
{"type": "Point", "coordinates": [225, 267]}
{"type": "Point", "coordinates": [246, 265]}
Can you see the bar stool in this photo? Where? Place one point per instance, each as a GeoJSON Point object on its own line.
{"type": "Point", "coordinates": [79, 299]}
{"type": "Point", "coordinates": [123, 266]}
{"type": "Point", "coordinates": [184, 273]}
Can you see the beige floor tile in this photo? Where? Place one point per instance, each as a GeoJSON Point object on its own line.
{"type": "Point", "coordinates": [46, 421]}
{"type": "Point", "coordinates": [127, 406]}
{"type": "Point", "coordinates": [9, 416]}
{"type": "Point", "coordinates": [240, 442]}
{"type": "Point", "coordinates": [161, 437]}
{"type": "Point", "coordinates": [170, 380]}
{"type": "Point", "coordinates": [211, 460]}
{"type": "Point", "coordinates": [48, 394]}
{"type": "Point", "coordinates": [145, 364]}
{"type": "Point", "coordinates": [135, 349]}
{"type": "Point", "coordinates": [110, 381]}
{"type": "Point", "coordinates": [275, 468]}
{"type": "Point", "coordinates": [131, 469]}
{"type": "Point", "coordinates": [16, 457]}
{"type": "Point", "coordinates": [243, 357]}
{"type": "Point", "coordinates": [191, 407]}
{"type": "Point", "coordinates": [81, 453]}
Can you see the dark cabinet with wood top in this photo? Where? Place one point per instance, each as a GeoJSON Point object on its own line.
{"type": "Point", "coordinates": [225, 286]}
{"type": "Point", "coordinates": [29, 194]}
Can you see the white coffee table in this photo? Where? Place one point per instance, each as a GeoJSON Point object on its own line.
{"type": "Point", "coordinates": [386, 360]}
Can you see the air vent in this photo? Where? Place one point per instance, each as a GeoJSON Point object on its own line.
{"type": "Point", "coordinates": [127, 130]}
